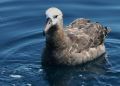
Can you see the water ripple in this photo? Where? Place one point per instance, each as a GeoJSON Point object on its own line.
{"type": "Point", "coordinates": [22, 42]}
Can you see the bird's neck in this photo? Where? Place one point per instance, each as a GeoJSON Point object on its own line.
{"type": "Point", "coordinates": [57, 37]}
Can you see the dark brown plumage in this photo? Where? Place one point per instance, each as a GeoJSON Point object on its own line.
{"type": "Point", "coordinates": [87, 34]}
{"type": "Point", "coordinates": [80, 42]}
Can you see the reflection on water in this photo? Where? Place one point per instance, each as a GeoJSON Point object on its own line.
{"type": "Point", "coordinates": [22, 42]}
{"type": "Point", "coordinates": [80, 75]}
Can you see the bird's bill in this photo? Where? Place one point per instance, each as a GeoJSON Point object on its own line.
{"type": "Point", "coordinates": [47, 26]}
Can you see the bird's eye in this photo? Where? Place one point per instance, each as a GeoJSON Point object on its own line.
{"type": "Point", "coordinates": [55, 16]}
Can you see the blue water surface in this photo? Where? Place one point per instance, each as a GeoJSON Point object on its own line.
{"type": "Point", "coordinates": [22, 42]}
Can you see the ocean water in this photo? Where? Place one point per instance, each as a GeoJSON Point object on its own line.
{"type": "Point", "coordinates": [22, 42]}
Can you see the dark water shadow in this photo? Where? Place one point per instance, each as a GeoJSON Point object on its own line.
{"type": "Point", "coordinates": [75, 75]}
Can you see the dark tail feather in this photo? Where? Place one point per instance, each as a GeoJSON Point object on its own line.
{"type": "Point", "coordinates": [107, 30]}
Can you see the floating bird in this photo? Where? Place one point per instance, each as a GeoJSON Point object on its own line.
{"type": "Point", "coordinates": [79, 42]}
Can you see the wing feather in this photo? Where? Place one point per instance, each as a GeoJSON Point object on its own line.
{"type": "Point", "coordinates": [85, 34]}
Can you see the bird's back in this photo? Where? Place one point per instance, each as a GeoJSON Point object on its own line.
{"type": "Point", "coordinates": [85, 34]}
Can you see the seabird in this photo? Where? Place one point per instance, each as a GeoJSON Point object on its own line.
{"type": "Point", "coordinates": [79, 42]}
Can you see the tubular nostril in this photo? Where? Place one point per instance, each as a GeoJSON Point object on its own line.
{"type": "Point", "coordinates": [49, 22]}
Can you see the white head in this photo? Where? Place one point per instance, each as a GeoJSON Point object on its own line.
{"type": "Point", "coordinates": [54, 16]}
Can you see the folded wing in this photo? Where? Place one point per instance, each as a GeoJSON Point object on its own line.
{"type": "Point", "coordinates": [85, 34]}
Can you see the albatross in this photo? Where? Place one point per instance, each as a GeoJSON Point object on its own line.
{"type": "Point", "coordinates": [79, 42]}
